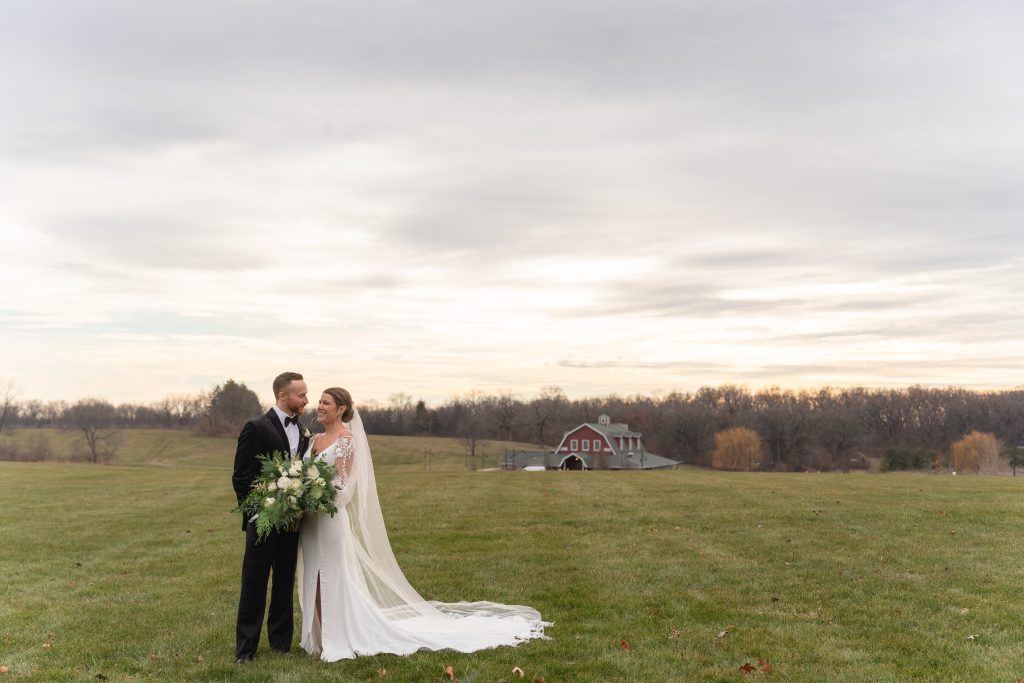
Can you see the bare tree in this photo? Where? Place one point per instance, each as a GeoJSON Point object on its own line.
{"type": "Point", "coordinates": [506, 411]}
{"type": "Point", "coordinates": [691, 428]}
{"type": "Point", "coordinates": [888, 414]}
{"type": "Point", "coordinates": [96, 420]}
{"type": "Point", "coordinates": [53, 412]}
{"type": "Point", "coordinates": [836, 423]}
{"type": "Point", "coordinates": [548, 408]}
{"type": "Point", "coordinates": [402, 411]}
{"type": "Point", "coordinates": [783, 421]}
{"type": "Point", "coordinates": [472, 421]}
{"type": "Point", "coordinates": [8, 406]}
{"type": "Point", "coordinates": [127, 414]}
{"type": "Point", "coordinates": [180, 410]}
{"type": "Point", "coordinates": [1007, 414]}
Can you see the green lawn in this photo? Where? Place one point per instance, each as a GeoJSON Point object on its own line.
{"type": "Point", "coordinates": [130, 571]}
{"type": "Point", "coordinates": [181, 448]}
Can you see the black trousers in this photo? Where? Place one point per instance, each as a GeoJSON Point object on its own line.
{"type": "Point", "coordinates": [276, 553]}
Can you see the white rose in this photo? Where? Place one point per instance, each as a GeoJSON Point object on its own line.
{"type": "Point", "coordinates": [296, 485]}
{"type": "Point", "coordinates": [272, 486]}
{"type": "Point", "coordinates": [296, 468]}
{"type": "Point", "coordinates": [268, 502]}
{"type": "Point", "coordinates": [319, 481]}
{"type": "Point", "coordinates": [284, 482]}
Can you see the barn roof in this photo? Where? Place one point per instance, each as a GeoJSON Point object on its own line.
{"type": "Point", "coordinates": [614, 429]}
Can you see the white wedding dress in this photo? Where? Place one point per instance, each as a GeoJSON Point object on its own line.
{"type": "Point", "coordinates": [367, 605]}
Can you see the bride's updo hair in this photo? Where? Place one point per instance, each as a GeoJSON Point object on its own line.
{"type": "Point", "coordinates": [343, 400]}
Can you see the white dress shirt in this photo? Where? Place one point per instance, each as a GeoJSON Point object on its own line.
{"type": "Point", "coordinates": [291, 431]}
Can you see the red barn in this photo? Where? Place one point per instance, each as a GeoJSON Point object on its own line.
{"type": "Point", "coordinates": [605, 445]}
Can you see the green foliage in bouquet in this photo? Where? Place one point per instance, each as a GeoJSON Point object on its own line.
{"type": "Point", "coordinates": [287, 489]}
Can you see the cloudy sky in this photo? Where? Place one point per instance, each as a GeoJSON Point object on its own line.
{"type": "Point", "coordinates": [437, 197]}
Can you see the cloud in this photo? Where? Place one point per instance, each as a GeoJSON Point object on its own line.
{"type": "Point", "coordinates": [462, 194]}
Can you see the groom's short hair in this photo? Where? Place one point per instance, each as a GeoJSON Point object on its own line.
{"type": "Point", "coordinates": [282, 381]}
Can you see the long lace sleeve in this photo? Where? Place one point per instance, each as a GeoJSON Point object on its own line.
{"type": "Point", "coordinates": [344, 458]}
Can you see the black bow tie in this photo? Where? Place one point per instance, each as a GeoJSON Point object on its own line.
{"type": "Point", "coordinates": [290, 420]}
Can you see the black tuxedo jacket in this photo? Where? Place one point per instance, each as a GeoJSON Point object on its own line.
{"type": "Point", "coordinates": [260, 436]}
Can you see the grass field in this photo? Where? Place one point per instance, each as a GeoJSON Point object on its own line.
{"type": "Point", "coordinates": [130, 571]}
{"type": "Point", "coordinates": [181, 448]}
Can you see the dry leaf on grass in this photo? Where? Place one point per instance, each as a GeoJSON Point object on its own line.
{"type": "Point", "coordinates": [517, 670]}
{"type": "Point", "coordinates": [624, 644]}
{"type": "Point", "coordinates": [381, 673]}
{"type": "Point", "coordinates": [723, 633]}
{"type": "Point", "coordinates": [765, 666]}
{"type": "Point", "coordinates": [748, 668]}
{"type": "Point", "coordinates": [450, 672]}
{"type": "Point", "coordinates": [4, 669]}
{"type": "Point", "coordinates": [973, 636]}
{"type": "Point", "coordinates": [675, 633]}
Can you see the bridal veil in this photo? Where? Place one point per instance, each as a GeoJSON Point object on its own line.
{"type": "Point", "coordinates": [371, 575]}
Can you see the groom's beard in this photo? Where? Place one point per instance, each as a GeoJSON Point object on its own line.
{"type": "Point", "coordinates": [295, 407]}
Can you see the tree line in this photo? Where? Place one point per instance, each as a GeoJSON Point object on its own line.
{"type": "Point", "coordinates": [219, 412]}
{"type": "Point", "coordinates": [822, 429]}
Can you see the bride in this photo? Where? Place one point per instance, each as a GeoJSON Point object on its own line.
{"type": "Point", "coordinates": [355, 599]}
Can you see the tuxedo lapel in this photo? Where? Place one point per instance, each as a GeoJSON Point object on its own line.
{"type": "Point", "coordinates": [303, 442]}
{"type": "Point", "coordinates": [275, 422]}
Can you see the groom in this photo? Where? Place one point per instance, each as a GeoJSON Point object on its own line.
{"type": "Point", "coordinates": [277, 430]}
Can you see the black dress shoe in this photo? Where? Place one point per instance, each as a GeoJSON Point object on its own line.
{"type": "Point", "coordinates": [243, 659]}
{"type": "Point", "coordinates": [281, 650]}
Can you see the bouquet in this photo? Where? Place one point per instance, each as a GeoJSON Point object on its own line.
{"type": "Point", "coordinates": [286, 489]}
